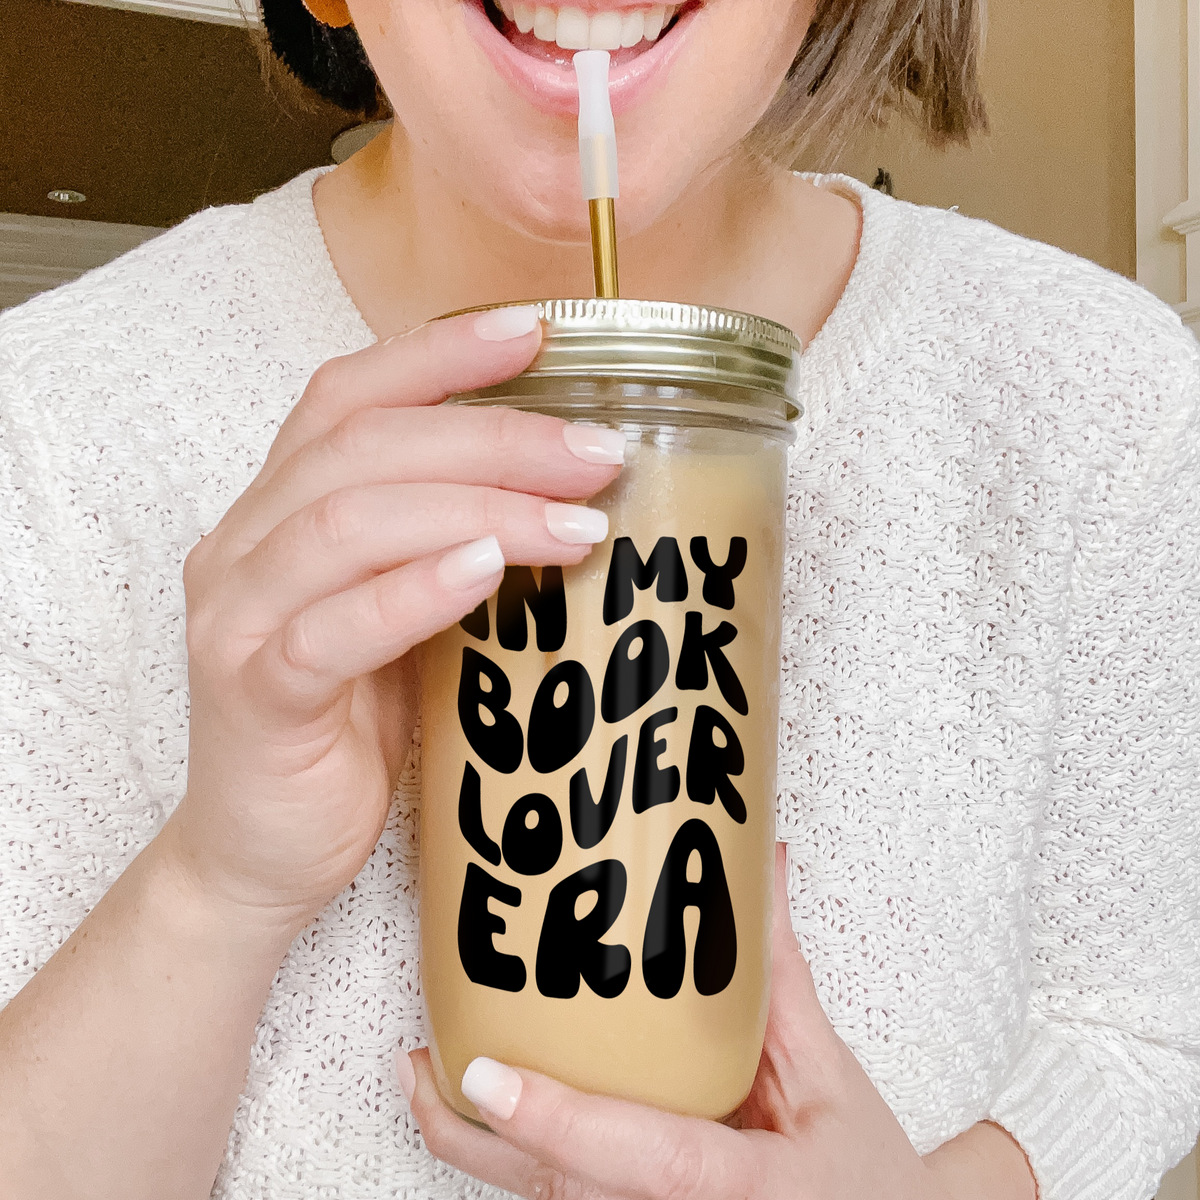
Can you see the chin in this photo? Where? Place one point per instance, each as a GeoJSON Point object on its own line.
{"type": "Point", "coordinates": [559, 215]}
{"type": "Point", "coordinates": [496, 91]}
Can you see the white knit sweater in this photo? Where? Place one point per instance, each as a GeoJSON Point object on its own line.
{"type": "Point", "coordinates": [990, 753]}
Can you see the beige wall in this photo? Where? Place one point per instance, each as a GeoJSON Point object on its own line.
{"type": "Point", "coordinates": [1059, 163]}
{"type": "Point", "coordinates": [1181, 1183]}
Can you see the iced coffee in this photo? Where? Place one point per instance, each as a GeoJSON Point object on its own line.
{"type": "Point", "coordinates": [599, 743]}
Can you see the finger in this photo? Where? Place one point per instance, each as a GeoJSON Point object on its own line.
{"type": "Point", "coordinates": [345, 538]}
{"type": "Point", "coordinates": [802, 1055]}
{"type": "Point", "coordinates": [793, 994]}
{"type": "Point", "coordinates": [477, 1151]}
{"type": "Point", "coordinates": [613, 1146]}
{"type": "Point", "coordinates": [424, 366]}
{"type": "Point", "coordinates": [486, 447]}
{"type": "Point", "coordinates": [301, 668]}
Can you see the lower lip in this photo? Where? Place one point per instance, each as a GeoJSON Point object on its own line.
{"type": "Point", "coordinates": [553, 88]}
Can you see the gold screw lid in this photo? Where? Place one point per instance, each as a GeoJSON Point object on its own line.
{"type": "Point", "coordinates": [663, 343]}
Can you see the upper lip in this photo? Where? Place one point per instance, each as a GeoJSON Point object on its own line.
{"type": "Point", "coordinates": [593, 6]}
{"type": "Point", "coordinates": [552, 86]}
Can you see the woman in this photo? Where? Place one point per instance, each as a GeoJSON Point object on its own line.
{"type": "Point", "coordinates": [988, 751]}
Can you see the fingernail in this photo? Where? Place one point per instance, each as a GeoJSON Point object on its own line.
{"type": "Point", "coordinates": [504, 324]}
{"type": "Point", "coordinates": [471, 564]}
{"type": "Point", "coordinates": [576, 525]}
{"type": "Point", "coordinates": [492, 1087]}
{"type": "Point", "coordinates": [405, 1074]}
{"type": "Point", "coordinates": [595, 444]}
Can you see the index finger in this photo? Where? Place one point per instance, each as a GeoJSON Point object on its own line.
{"type": "Point", "coordinates": [424, 366]}
{"type": "Point", "coordinates": [617, 1147]}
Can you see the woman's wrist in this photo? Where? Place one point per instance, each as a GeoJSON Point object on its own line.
{"type": "Point", "coordinates": [175, 882]}
{"type": "Point", "coordinates": [984, 1163]}
{"type": "Point", "coordinates": [126, 1052]}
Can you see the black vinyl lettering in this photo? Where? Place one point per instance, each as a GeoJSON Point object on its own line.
{"type": "Point", "coordinates": [532, 850]}
{"type": "Point", "coordinates": [591, 820]}
{"type": "Point", "coordinates": [709, 766]}
{"type": "Point", "coordinates": [470, 817]}
{"type": "Point", "coordinates": [570, 948]}
{"type": "Point", "coordinates": [627, 571]}
{"type": "Point", "coordinates": [698, 650]}
{"type": "Point", "coordinates": [631, 682]}
{"type": "Point", "coordinates": [558, 732]}
{"type": "Point", "coordinates": [501, 744]}
{"type": "Point", "coordinates": [653, 784]}
{"type": "Point", "coordinates": [548, 604]}
{"type": "Point", "coordinates": [477, 623]}
{"type": "Point", "coordinates": [718, 580]}
{"type": "Point", "coordinates": [477, 924]}
{"type": "Point", "coordinates": [664, 950]}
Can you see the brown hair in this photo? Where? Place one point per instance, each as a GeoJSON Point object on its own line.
{"type": "Point", "coordinates": [860, 59]}
{"type": "Point", "coordinates": [863, 58]}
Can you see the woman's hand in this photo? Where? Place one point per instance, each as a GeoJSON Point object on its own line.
{"type": "Point", "coordinates": [813, 1127]}
{"type": "Point", "coordinates": [378, 519]}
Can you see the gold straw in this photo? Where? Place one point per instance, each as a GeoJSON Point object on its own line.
{"type": "Point", "coordinates": [598, 166]}
{"type": "Point", "coordinates": [604, 247]}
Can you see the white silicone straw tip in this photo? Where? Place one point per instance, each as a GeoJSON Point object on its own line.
{"type": "Point", "coordinates": [597, 133]}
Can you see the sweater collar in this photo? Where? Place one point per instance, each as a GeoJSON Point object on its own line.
{"type": "Point", "coordinates": [843, 354]}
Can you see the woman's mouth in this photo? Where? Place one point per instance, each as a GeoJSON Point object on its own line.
{"type": "Point", "coordinates": [542, 29]}
{"type": "Point", "coordinates": [537, 42]}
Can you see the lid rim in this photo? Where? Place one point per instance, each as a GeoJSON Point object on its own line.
{"type": "Point", "coordinates": [662, 340]}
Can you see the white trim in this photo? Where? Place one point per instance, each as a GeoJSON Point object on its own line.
{"type": "Point", "coordinates": [1184, 218]}
{"type": "Point", "coordinates": [37, 253]}
{"type": "Point", "coordinates": [1167, 49]}
{"type": "Point", "coordinates": [222, 12]}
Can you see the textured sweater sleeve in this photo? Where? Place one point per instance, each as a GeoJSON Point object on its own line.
{"type": "Point", "coordinates": [73, 806]}
{"type": "Point", "coordinates": [1105, 1094]}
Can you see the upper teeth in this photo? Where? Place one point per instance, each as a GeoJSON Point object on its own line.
{"type": "Point", "coordinates": [573, 29]}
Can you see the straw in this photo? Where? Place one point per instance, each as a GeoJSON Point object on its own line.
{"type": "Point", "coordinates": [598, 165]}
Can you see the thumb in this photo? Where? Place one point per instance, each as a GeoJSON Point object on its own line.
{"type": "Point", "coordinates": [606, 1146]}
{"type": "Point", "coordinates": [801, 1052]}
{"type": "Point", "coordinates": [791, 981]}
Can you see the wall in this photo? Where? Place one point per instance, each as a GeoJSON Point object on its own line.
{"type": "Point", "coordinates": [150, 117]}
{"type": "Point", "coordinates": [1181, 1183]}
{"type": "Point", "coordinates": [1058, 165]}
{"type": "Point", "coordinates": [37, 253]}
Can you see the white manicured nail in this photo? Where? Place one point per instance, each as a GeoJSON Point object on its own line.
{"type": "Point", "coordinates": [492, 1087]}
{"type": "Point", "coordinates": [595, 444]}
{"type": "Point", "coordinates": [471, 564]}
{"type": "Point", "coordinates": [505, 324]}
{"type": "Point", "coordinates": [575, 524]}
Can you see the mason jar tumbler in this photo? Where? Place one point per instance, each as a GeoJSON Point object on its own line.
{"type": "Point", "coordinates": [599, 742]}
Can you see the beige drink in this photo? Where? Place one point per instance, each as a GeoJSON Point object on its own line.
{"type": "Point", "coordinates": [599, 792]}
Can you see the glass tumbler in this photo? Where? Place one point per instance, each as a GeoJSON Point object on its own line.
{"type": "Point", "coordinates": [599, 742]}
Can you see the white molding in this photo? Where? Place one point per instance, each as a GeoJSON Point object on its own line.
{"type": "Point", "coordinates": [1167, 52]}
{"type": "Point", "coordinates": [222, 12]}
{"type": "Point", "coordinates": [1184, 218]}
{"type": "Point", "coordinates": [37, 253]}
{"type": "Point", "coordinates": [1189, 311]}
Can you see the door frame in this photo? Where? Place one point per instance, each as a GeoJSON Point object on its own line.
{"type": "Point", "coordinates": [1167, 52]}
